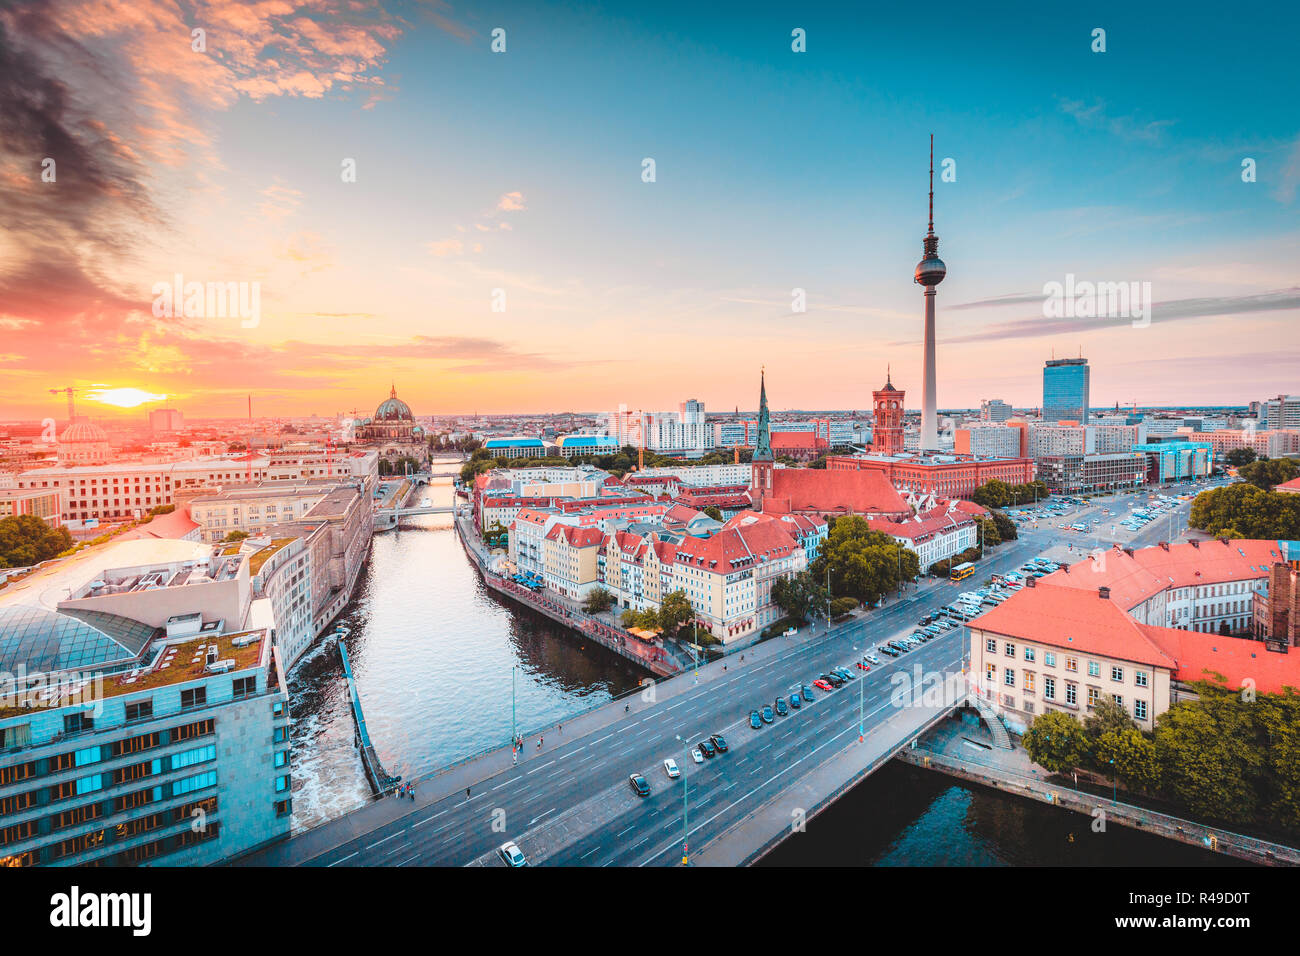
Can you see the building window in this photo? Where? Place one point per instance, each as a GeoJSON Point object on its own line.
{"type": "Point", "coordinates": [1011, 650]}
{"type": "Point", "coordinates": [990, 671]}
{"type": "Point", "coordinates": [991, 646]}
{"type": "Point", "coordinates": [1049, 658]}
{"type": "Point", "coordinates": [1094, 669]}
{"type": "Point", "coordinates": [1140, 709]}
{"type": "Point", "coordinates": [1093, 693]}
{"type": "Point", "coordinates": [1140, 678]}
{"type": "Point", "coordinates": [245, 687]}
{"type": "Point", "coordinates": [1029, 682]}
{"type": "Point", "coordinates": [1117, 674]}
{"type": "Point", "coordinates": [77, 723]}
{"type": "Point", "coordinates": [1009, 677]}
{"type": "Point", "coordinates": [194, 697]}
{"type": "Point", "coordinates": [1072, 694]}
{"type": "Point", "coordinates": [140, 710]}
{"type": "Point", "coordinates": [1071, 664]}
{"type": "Point", "coordinates": [1029, 653]}
{"type": "Point", "coordinates": [1049, 688]}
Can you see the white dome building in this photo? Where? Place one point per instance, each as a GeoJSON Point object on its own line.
{"type": "Point", "coordinates": [83, 443]}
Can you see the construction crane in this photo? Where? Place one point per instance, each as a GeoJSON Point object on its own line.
{"type": "Point", "coordinates": [72, 413]}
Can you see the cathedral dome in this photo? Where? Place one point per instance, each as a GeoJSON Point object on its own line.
{"type": "Point", "coordinates": [393, 409]}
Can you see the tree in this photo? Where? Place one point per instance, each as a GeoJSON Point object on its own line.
{"type": "Point", "coordinates": [598, 600]}
{"type": "Point", "coordinates": [1209, 757]}
{"type": "Point", "coordinates": [674, 611]}
{"type": "Point", "coordinates": [988, 531]}
{"type": "Point", "coordinates": [1131, 757]}
{"type": "Point", "coordinates": [842, 605]}
{"type": "Point", "coordinates": [799, 595]}
{"type": "Point", "coordinates": [236, 536]}
{"type": "Point", "coordinates": [1005, 526]}
{"type": "Point", "coordinates": [992, 494]}
{"type": "Point", "coordinates": [26, 540]}
{"type": "Point", "coordinates": [1247, 510]}
{"type": "Point", "coordinates": [1056, 742]}
{"type": "Point", "coordinates": [714, 512]}
{"type": "Point", "coordinates": [1240, 456]}
{"type": "Point", "coordinates": [1108, 716]}
{"type": "Point", "coordinates": [646, 620]}
{"type": "Point", "coordinates": [1268, 472]}
{"type": "Point", "coordinates": [863, 564]}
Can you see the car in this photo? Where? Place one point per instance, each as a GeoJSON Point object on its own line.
{"type": "Point", "coordinates": [835, 679]}
{"type": "Point", "coordinates": [670, 768]}
{"type": "Point", "coordinates": [706, 747]}
{"type": "Point", "coordinates": [511, 855]}
{"type": "Point", "coordinates": [807, 693]}
{"type": "Point", "coordinates": [781, 708]}
{"type": "Point", "coordinates": [768, 716]}
{"type": "Point", "coordinates": [697, 756]}
{"type": "Point", "coordinates": [862, 665]}
{"type": "Point", "coordinates": [845, 673]}
{"type": "Point", "coordinates": [821, 684]}
{"type": "Point", "coordinates": [639, 784]}
{"type": "Point", "coordinates": [887, 649]}
{"type": "Point", "coordinates": [872, 659]}
{"type": "Point", "coordinates": [795, 702]}
{"type": "Point", "coordinates": [754, 720]}
{"type": "Point", "coordinates": [720, 742]}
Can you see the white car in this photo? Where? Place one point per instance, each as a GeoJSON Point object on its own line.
{"type": "Point", "coordinates": [511, 855]}
{"type": "Point", "coordinates": [670, 768]}
{"type": "Point", "coordinates": [697, 756]}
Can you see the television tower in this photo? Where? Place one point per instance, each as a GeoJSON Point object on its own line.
{"type": "Point", "coordinates": [929, 273]}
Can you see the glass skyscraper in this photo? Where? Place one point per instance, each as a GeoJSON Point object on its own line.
{"type": "Point", "coordinates": [1065, 390]}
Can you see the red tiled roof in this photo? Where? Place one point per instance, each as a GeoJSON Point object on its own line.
{"type": "Point", "coordinates": [930, 522]}
{"type": "Point", "coordinates": [735, 548]}
{"type": "Point", "coordinates": [1134, 578]}
{"type": "Point", "coordinates": [1292, 486]}
{"type": "Point", "coordinates": [797, 440]}
{"type": "Point", "coordinates": [834, 492]}
{"type": "Point", "coordinates": [1073, 619]}
{"type": "Point", "coordinates": [577, 537]}
{"type": "Point", "coordinates": [1236, 659]}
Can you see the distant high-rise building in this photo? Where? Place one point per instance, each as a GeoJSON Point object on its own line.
{"type": "Point", "coordinates": [1281, 412]}
{"type": "Point", "coordinates": [1065, 390]}
{"type": "Point", "coordinates": [166, 420]}
{"type": "Point", "coordinates": [994, 410]}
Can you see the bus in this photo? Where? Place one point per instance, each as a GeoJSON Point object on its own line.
{"type": "Point", "coordinates": [964, 570]}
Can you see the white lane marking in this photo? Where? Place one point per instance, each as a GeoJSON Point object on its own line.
{"type": "Point", "coordinates": [348, 857]}
{"type": "Point", "coordinates": [386, 839]}
{"type": "Point", "coordinates": [542, 767]}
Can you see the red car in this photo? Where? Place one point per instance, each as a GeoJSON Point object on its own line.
{"type": "Point", "coordinates": [863, 665]}
{"type": "Point", "coordinates": [821, 684]}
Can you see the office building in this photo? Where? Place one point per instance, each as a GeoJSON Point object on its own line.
{"type": "Point", "coordinates": [1065, 390]}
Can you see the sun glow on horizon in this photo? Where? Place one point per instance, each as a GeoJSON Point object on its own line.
{"type": "Point", "coordinates": [122, 397]}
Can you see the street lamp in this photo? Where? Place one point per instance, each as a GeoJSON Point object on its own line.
{"type": "Point", "coordinates": [1114, 780]}
{"type": "Point", "coordinates": [686, 830]}
{"type": "Point", "coordinates": [828, 597]}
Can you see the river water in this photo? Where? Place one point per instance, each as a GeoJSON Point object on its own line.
{"type": "Point", "coordinates": [434, 654]}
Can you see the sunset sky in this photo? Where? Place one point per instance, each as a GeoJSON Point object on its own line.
{"type": "Point", "coordinates": [522, 171]}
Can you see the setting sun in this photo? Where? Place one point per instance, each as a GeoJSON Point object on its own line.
{"type": "Point", "coordinates": [122, 397]}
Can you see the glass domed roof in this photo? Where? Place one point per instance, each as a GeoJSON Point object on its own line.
{"type": "Point", "coordinates": [82, 430]}
{"type": "Point", "coordinates": [393, 409]}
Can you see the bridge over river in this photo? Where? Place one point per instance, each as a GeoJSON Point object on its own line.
{"type": "Point", "coordinates": [568, 801]}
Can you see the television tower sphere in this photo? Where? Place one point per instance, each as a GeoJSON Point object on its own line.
{"type": "Point", "coordinates": [930, 270]}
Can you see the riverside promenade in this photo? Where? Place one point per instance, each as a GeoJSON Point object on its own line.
{"type": "Point", "coordinates": [962, 751]}
{"type": "Point", "coordinates": [652, 657]}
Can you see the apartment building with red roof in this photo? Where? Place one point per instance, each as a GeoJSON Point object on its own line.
{"type": "Point", "coordinates": [1067, 639]}
{"type": "Point", "coordinates": [728, 576]}
{"type": "Point", "coordinates": [1198, 585]}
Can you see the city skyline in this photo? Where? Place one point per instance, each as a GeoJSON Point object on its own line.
{"type": "Point", "coordinates": [794, 171]}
